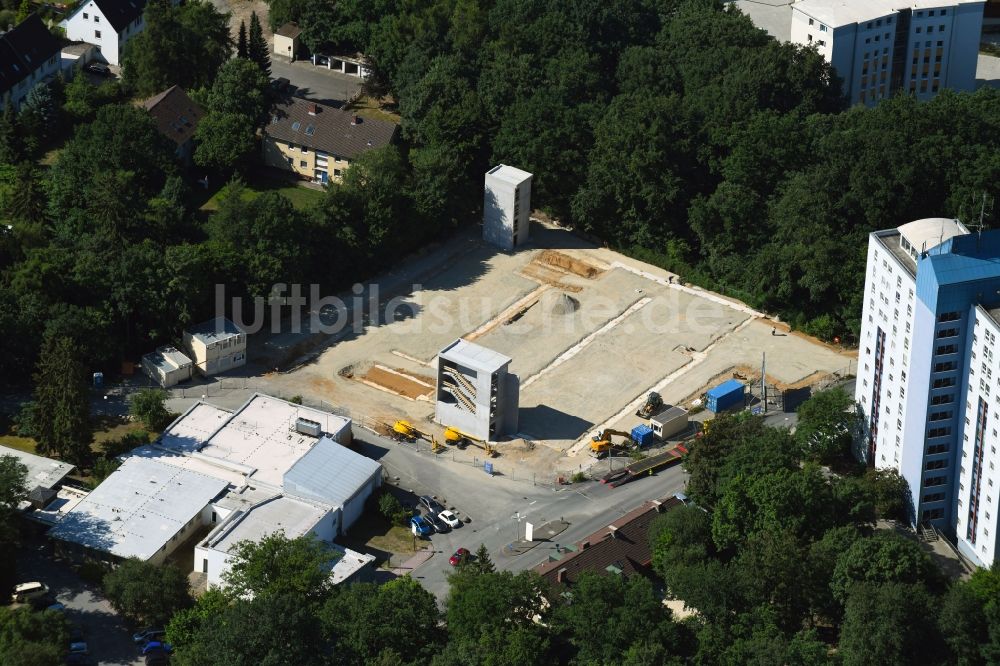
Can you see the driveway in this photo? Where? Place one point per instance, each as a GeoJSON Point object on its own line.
{"type": "Point", "coordinates": [108, 638]}
{"type": "Point", "coordinates": [316, 83]}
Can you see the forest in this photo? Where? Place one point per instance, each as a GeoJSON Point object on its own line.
{"type": "Point", "coordinates": [670, 129]}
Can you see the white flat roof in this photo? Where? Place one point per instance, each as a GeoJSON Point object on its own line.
{"type": "Point", "coordinates": [44, 472]}
{"type": "Point", "coordinates": [261, 435]}
{"type": "Point", "coordinates": [474, 356]}
{"type": "Point", "coordinates": [836, 13]}
{"type": "Point", "coordinates": [192, 428]}
{"type": "Point", "coordinates": [214, 330]}
{"type": "Point", "coordinates": [291, 516]}
{"type": "Point", "coordinates": [930, 232]}
{"type": "Point", "coordinates": [509, 174]}
{"type": "Point", "coordinates": [167, 358]}
{"type": "Point", "coordinates": [194, 463]}
{"type": "Point", "coordinates": [350, 562]}
{"type": "Point", "coordinates": [139, 508]}
{"type": "Point", "coordinates": [773, 16]}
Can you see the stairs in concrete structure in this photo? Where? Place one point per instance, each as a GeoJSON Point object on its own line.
{"type": "Point", "coordinates": [462, 399]}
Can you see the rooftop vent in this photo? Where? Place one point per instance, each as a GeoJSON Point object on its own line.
{"type": "Point", "coordinates": [308, 427]}
{"type": "Point", "coordinates": [356, 120]}
{"type": "Point", "coordinates": [312, 109]}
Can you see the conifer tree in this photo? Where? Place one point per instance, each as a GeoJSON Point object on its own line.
{"type": "Point", "coordinates": [257, 46]}
{"type": "Point", "coordinates": [241, 42]}
{"type": "Point", "coordinates": [61, 401]}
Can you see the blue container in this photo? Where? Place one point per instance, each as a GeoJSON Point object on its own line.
{"type": "Point", "coordinates": [725, 396]}
{"type": "Point", "coordinates": [98, 379]}
{"type": "Point", "coordinates": [642, 435]}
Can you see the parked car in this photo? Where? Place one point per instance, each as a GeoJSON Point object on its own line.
{"type": "Point", "coordinates": [449, 518]}
{"type": "Point", "coordinates": [98, 68]}
{"type": "Point", "coordinates": [148, 634]}
{"type": "Point", "coordinates": [431, 504]}
{"type": "Point", "coordinates": [79, 647]}
{"type": "Point", "coordinates": [58, 607]}
{"type": "Point", "coordinates": [439, 525]}
{"type": "Point", "coordinates": [157, 646]}
{"type": "Point", "coordinates": [421, 526]}
{"type": "Point", "coordinates": [460, 556]}
{"type": "Point", "coordinates": [24, 592]}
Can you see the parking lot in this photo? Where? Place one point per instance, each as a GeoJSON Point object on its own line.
{"type": "Point", "coordinates": [108, 639]}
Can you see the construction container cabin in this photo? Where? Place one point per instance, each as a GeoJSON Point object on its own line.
{"type": "Point", "coordinates": [167, 366]}
{"type": "Point", "coordinates": [668, 422]}
{"type": "Point", "coordinates": [216, 346]}
{"type": "Point", "coordinates": [475, 392]}
{"type": "Point", "coordinates": [506, 207]}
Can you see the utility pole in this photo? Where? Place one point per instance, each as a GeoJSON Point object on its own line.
{"type": "Point", "coordinates": [763, 379]}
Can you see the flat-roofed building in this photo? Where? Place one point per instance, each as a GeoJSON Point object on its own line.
{"type": "Point", "coordinates": [167, 366]}
{"type": "Point", "coordinates": [506, 207]}
{"type": "Point", "coordinates": [294, 518]}
{"type": "Point", "coordinates": [881, 47]}
{"type": "Point", "coordinates": [144, 509]}
{"type": "Point", "coordinates": [216, 346]}
{"type": "Point", "coordinates": [475, 391]}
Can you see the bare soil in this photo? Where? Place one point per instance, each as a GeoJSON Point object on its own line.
{"type": "Point", "coordinates": [405, 386]}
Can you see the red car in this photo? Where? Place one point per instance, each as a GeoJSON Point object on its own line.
{"type": "Point", "coordinates": [461, 555]}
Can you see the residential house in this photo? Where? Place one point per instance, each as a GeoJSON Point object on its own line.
{"type": "Point", "coordinates": [108, 24]}
{"type": "Point", "coordinates": [622, 548]}
{"type": "Point", "coordinates": [318, 142]}
{"type": "Point", "coordinates": [29, 53]}
{"type": "Point", "coordinates": [883, 47]}
{"type": "Point", "coordinates": [216, 346]}
{"type": "Point", "coordinates": [176, 116]}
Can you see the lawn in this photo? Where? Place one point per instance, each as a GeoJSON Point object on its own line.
{"type": "Point", "coordinates": [367, 107]}
{"type": "Point", "coordinates": [256, 184]}
{"type": "Point", "coordinates": [20, 443]}
{"type": "Point", "coordinates": [388, 543]}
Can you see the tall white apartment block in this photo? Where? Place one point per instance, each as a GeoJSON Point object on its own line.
{"type": "Point", "coordinates": [928, 384]}
{"type": "Point", "coordinates": [506, 206]}
{"type": "Point", "coordinates": [882, 47]}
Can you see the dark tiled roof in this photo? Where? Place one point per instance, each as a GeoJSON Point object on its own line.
{"type": "Point", "coordinates": [290, 30]}
{"type": "Point", "coordinates": [624, 545]}
{"type": "Point", "coordinates": [175, 115]}
{"type": "Point", "coordinates": [23, 49]}
{"type": "Point", "coordinates": [331, 130]}
{"type": "Point", "coordinates": [120, 13]}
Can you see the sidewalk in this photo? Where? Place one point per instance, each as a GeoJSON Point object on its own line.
{"type": "Point", "coordinates": [545, 533]}
{"type": "Point", "coordinates": [410, 565]}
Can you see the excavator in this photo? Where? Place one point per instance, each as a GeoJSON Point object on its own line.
{"type": "Point", "coordinates": [404, 430]}
{"type": "Point", "coordinates": [602, 444]}
{"type": "Point", "coordinates": [653, 403]}
{"type": "Point", "coordinates": [455, 436]}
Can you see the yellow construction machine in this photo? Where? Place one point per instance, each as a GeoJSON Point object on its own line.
{"type": "Point", "coordinates": [455, 436]}
{"type": "Point", "coordinates": [405, 430]}
{"type": "Point", "coordinates": [601, 443]}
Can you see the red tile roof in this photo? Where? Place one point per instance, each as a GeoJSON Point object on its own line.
{"type": "Point", "coordinates": [624, 545]}
{"type": "Point", "coordinates": [175, 115]}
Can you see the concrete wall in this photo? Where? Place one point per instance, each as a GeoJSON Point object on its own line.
{"type": "Point", "coordinates": [506, 211]}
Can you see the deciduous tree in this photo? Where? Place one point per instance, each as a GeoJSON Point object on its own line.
{"type": "Point", "coordinates": [146, 593]}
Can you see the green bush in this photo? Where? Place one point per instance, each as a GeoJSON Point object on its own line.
{"type": "Point", "coordinates": [578, 477]}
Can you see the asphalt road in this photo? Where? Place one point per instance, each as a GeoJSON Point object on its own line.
{"type": "Point", "coordinates": [315, 83]}
{"type": "Point", "coordinates": [107, 637]}
{"type": "Point", "coordinates": [494, 504]}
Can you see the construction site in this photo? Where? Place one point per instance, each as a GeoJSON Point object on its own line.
{"type": "Point", "coordinates": [588, 333]}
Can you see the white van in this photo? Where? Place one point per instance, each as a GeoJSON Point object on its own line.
{"type": "Point", "coordinates": [27, 591]}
